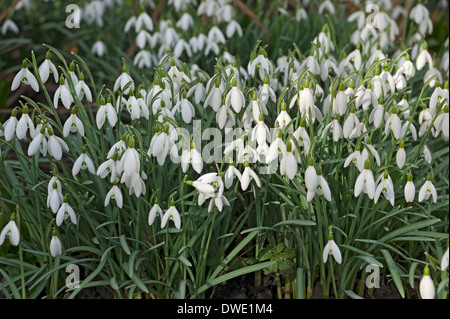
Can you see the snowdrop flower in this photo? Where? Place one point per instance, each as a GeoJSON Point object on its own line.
{"type": "Point", "coordinates": [116, 194]}
{"type": "Point", "coordinates": [173, 215]}
{"type": "Point", "coordinates": [230, 174]}
{"type": "Point", "coordinates": [426, 154]}
{"type": "Point", "coordinates": [39, 143]}
{"type": "Point", "coordinates": [129, 164]}
{"type": "Point", "coordinates": [400, 80]}
{"type": "Point", "coordinates": [335, 129]}
{"type": "Point", "coordinates": [9, 25]}
{"type": "Point", "coordinates": [328, 64]}
{"type": "Point", "coordinates": [73, 124]}
{"type": "Point", "coordinates": [83, 162]}
{"type": "Point", "coordinates": [328, 6]}
{"type": "Point", "coordinates": [25, 124]}
{"type": "Point", "coordinates": [214, 98]}
{"type": "Point", "coordinates": [366, 97]}
{"type": "Point", "coordinates": [55, 245]}
{"type": "Point", "coordinates": [215, 36]}
{"type": "Point", "coordinates": [378, 85]}
{"type": "Point", "coordinates": [425, 119]}
{"type": "Point", "coordinates": [333, 249]}
{"type": "Point", "coordinates": [288, 163]}
{"type": "Point", "coordinates": [160, 145]}
{"type": "Point", "coordinates": [123, 80]}
{"type": "Point", "coordinates": [441, 123]}
{"type": "Point", "coordinates": [419, 12]}
{"type": "Point", "coordinates": [432, 73]}
{"type": "Point", "coordinates": [386, 187]}
{"type": "Point", "coordinates": [10, 125]}
{"type": "Point", "coordinates": [321, 188]}
{"type": "Point", "coordinates": [82, 90]}
{"type": "Point", "coordinates": [408, 68]}
{"type": "Point", "coordinates": [204, 185]}
{"type": "Point", "coordinates": [54, 198]}
{"type": "Point", "coordinates": [426, 286]}
{"type": "Point", "coordinates": [355, 158]}
{"type": "Point", "coordinates": [56, 145]}
{"type": "Point", "coordinates": [62, 93]}
{"type": "Point", "coordinates": [72, 75]}
{"type": "Point", "coordinates": [185, 22]}
{"type": "Point", "coordinates": [283, 119]}
{"type": "Point", "coordinates": [99, 48]}
{"type": "Point", "coordinates": [370, 150]}
{"type": "Point", "coordinates": [133, 107]}
{"type": "Point", "coordinates": [427, 190]}
{"type": "Point", "coordinates": [404, 107]}
{"type": "Point", "coordinates": [247, 153]}
{"type": "Point", "coordinates": [355, 58]}
{"type": "Point", "coordinates": [301, 15]}
{"type": "Point", "coordinates": [233, 28]}
{"type": "Point", "coordinates": [393, 124]}
{"type": "Point", "coordinates": [255, 109]}
{"type": "Point", "coordinates": [260, 132]}
{"type": "Point", "coordinates": [439, 95]}
{"type": "Point", "coordinates": [277, 148]}
{"type": "Point", "coordinates": [143, 21]}
{"type": "Point", "coordinates": [51, 185]}
{"type": "Point", "coordinates": [12, 231]}
{"type": "Point", "coordinates": [266, 92]}
{"type": "Point", "coordinates": [154, 211]}
{"type": "Point", "coordinates": [340, 103]}
{"type": "Point", "coordinates": [185, 108]}
{"type": "Point", "coordinates": [46, 68]}
{"type": "Point", "coordinates": [216, 197]}
{"type": "Point", "coordinates": [302, 136]}
{"type": "Point", "coordinates": [401, 155]}
{"type": "Point", "coordinates": [199, 92]}
{"type": "Point", "coordinates": [247, 176]}
{"type": "Point", "coordinates": [106, 111]}
{"type": "Point", "coordinates": [26, 77]}
{"type": "Point", "coordinates": [387, 81]}
{"type": "Point", "coordinates": [143, 108]}
{"type": "Point", "coordinates": [307, 105]}
{"type": "Point", "coordinates": [180, 47]}
{"type": "Point", "coordinates": [311, 179]}
{"type": "Point", "coordinates": [191, 156]}
{"type": "Point", "coordinates": [365, 182]}
{"type": "Point", "coordinates": [351, 126]}
{"type": "Point", "coordinates": [225, 117]}
{"type": "Point", "coordinates": [424, 57]}
{"type": "Point", "coordinates": [410, 189]}
{"type": "Point", "coordinates": [377, 114]}
{"type": "Point", "coordinates": [130, 22]}
{"type": "Point", "coordinates": [108, 167]}
{"type": "Point", "coordinates": [311, 64]}
{"type": "Point", "coordinates": [118, 147]}
{"type": "Point", "coordinates": [444, 261]}
{"type": "Point", "coordinates": [262, 64]}
{"type": "Point", "coordinates": [65, 212]}
{"type": "Point", "coordinates": [235, 97]}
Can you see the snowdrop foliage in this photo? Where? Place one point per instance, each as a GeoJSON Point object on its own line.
{"type": "Point", "coordinates": [198, 133]}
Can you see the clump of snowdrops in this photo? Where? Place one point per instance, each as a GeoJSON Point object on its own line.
{"type": "Point", "coordinates": [311, 167]}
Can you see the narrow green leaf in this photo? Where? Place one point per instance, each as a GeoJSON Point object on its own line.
{"type": "Point", "coordinates": [352, 295]}
{"type": "Point", "coordinates": [296, 222]}
{"type": "Point", "coordinates": [394, 272]}
{"type": "Point", "coordinates": [123, 243]}
{"type": "Point", "coordinates": [234, 274]}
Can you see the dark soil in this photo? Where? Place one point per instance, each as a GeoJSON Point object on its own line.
{"type": "Point", "coordinates": [243, 288]}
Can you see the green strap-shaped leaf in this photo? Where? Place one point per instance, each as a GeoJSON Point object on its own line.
{"type": "Point", "coordinates": [394, 272]}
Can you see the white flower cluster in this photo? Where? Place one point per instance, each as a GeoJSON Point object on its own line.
{"type": "Point", "coordinates": [283, 118]}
